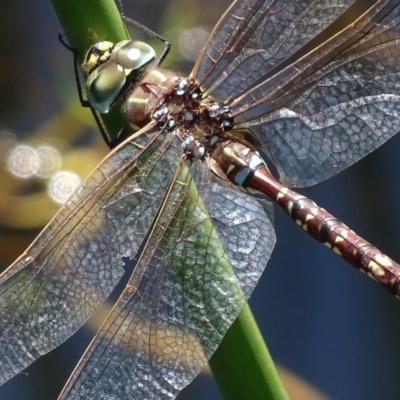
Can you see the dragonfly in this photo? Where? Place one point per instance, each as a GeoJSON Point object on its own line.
{"type": "Point", "coordinates": [178, 192]}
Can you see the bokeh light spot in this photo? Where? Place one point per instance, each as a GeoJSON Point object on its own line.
{"type": "Point", "coordinates": [49, 161]}
{"type": "Point", "coordinates": [62, 185]}
{"type": "Point", "coordinates": [23, 161]}
{"type": "Point", "coordinates": [191, 42]}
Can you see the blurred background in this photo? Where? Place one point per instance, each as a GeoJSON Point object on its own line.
{"type": "Point", "coordinates": [322, 320]}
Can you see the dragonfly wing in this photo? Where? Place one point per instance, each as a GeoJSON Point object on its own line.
{"type": "Point", "coordinates": [74, 264]}
{"type": "Point", "coordinates": [256, 37]}
{"type": "Point", "coordinates": [320, 110]}
{"type": "Point", "coordinates": [183, 294]}
{"type": "Point", "coordinates": [338, 114]}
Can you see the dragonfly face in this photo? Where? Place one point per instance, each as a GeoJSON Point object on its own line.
{"type": "Point", "coordinates": [108, 66]}
{"type": "Point", "coordinates": [203, 236]}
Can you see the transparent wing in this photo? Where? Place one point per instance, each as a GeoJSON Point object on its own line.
{"type": "Point", "coordinates": [183, 294]}
{"type": "Point", "coordinates": [323, 111]}
{"type": "Point", "coordinates": [256, 37]}
{"type": "Point", "coordinates": [74, 264]}
{"type": "Point", "coordinates": [341, 111]}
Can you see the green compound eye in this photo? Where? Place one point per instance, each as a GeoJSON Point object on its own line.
{"type": "Point", "coordinates": [132, 55]}
{"type": "Point", "coordinates": [105, 82]}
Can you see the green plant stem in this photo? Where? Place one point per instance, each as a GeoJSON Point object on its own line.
{"type": "Point", "coordinates": [242, 365]}
{"type": "Point", "coordinates": [87, 22]}
{"type": "Point", "coordinates": [84, 23]}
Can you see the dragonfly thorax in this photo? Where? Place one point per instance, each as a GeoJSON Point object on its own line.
{"type": "Point", "coordinates": [176, 104]}
{"type": "Point", "coordinates": [142, 100]}
{"type": "Point", "coordinates": [120, 73]}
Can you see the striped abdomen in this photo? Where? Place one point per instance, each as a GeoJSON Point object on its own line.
{"type": "Point", "coordinates": [246, 168]}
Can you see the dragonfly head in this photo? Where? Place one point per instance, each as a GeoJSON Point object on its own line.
{"type": "Point", "coordinates": [110, 67]}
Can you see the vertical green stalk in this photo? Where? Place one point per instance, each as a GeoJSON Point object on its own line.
{"type": "Point", "coordinates": [84, 23]}
{"type": "Point", "coordinates": [242, 365]}
{"type": "Point", "coordinates": [87, 22]}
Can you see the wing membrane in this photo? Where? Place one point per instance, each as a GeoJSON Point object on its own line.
{"type": "Point", "coordinates": [255, 37]}
{"type": "Point", "coordinates": [73, 265]}
{"type": "Point", "coordinates": [324, 110]}
{"type": "Point", "coordinates": [183, 294]}
{"type": "Point", "coordinates": [339, 113]}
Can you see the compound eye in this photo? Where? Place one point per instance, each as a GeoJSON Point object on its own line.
{"type": "Point", "coordinates": [104, 84]}
{"type": "Point", "coordinates": [132, 54]}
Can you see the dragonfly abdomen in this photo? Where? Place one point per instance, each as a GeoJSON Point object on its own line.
{"type": "Point", "coordinates": [337, 236]}
{"type": "Point", "coordinates": [244, 167]}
